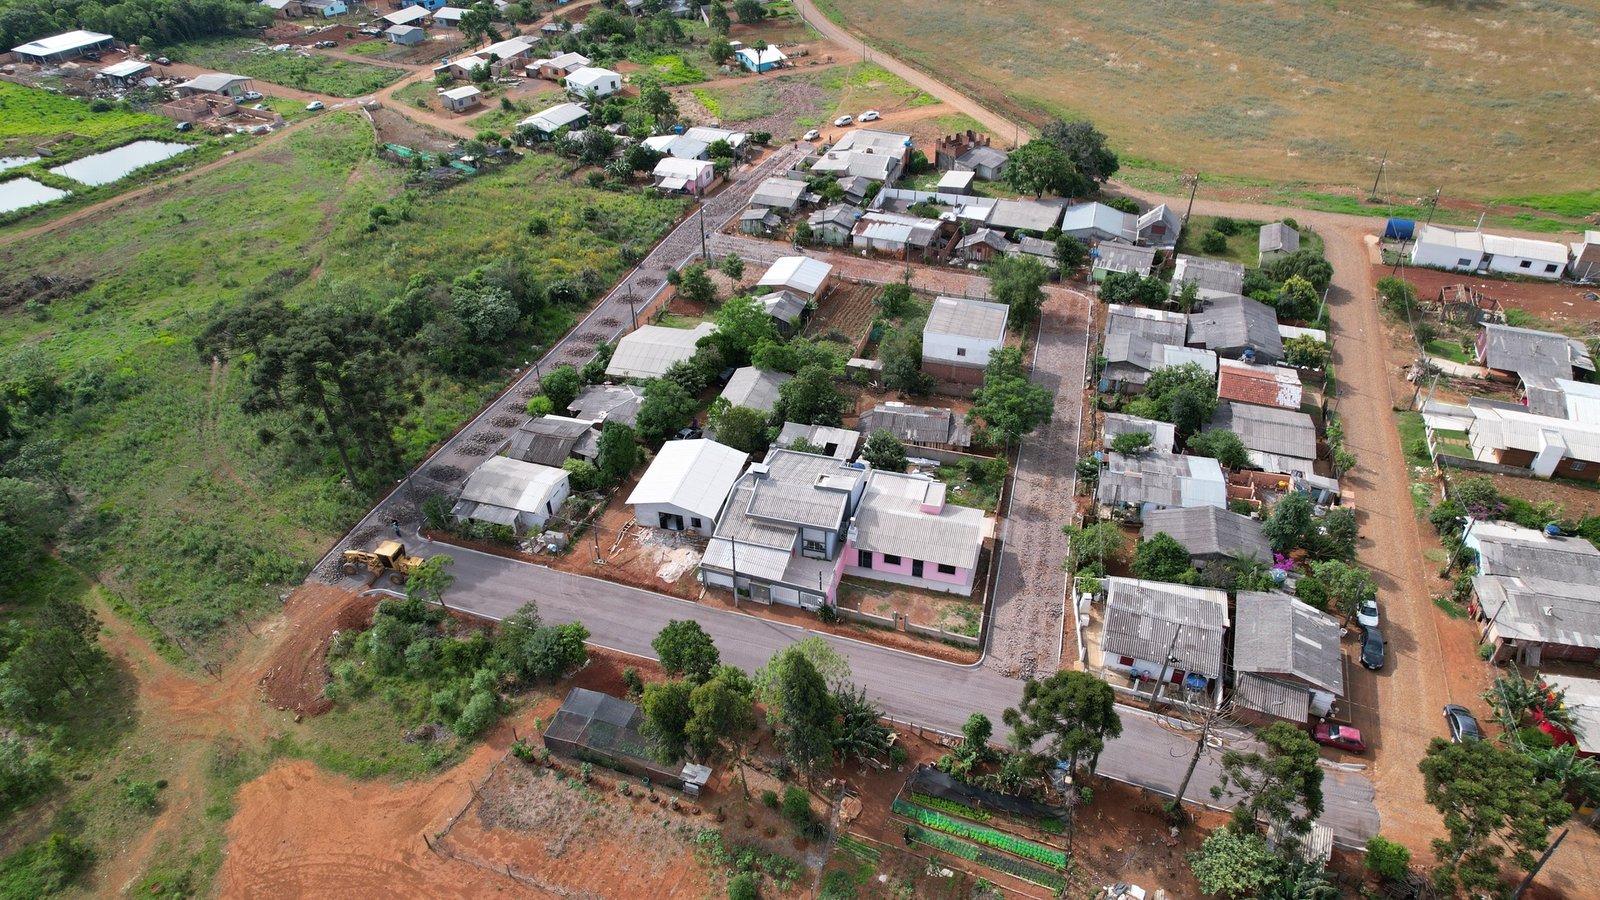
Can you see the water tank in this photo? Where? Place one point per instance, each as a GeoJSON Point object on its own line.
{"type": "Point", "coordinates": [1552, 529]}
{"type": "Point", "coordinates": [1279, 576]}
{"type": "Point", "coordinates": [1399, 230]}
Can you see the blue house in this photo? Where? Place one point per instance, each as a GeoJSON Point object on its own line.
{"type": "Point", "coordinates": [425, 4]}
{"type": "Point", "coordinates": [760, 60]}
{"type": "Point", "coordinates": [325, 8]}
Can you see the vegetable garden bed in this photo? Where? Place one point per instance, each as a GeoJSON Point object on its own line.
{"type": "Point", "coordinates": [996, 861]}
{"type": "Point", "coordinates": [979, 834]}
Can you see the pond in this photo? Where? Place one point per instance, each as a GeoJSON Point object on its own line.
{"type": "Point", "coordinates": [113, 165]}
{"type": "Point", "coordinates": [21, 193]}
{"type": "Point", "coordinates": [12, 162]}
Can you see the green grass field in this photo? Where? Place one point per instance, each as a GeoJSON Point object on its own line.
{"type": "Point", "coordinates": [323, 75]}
{"type": "Point", "coordinates": [1298, 91]}
{"type": "Point", "coordinates": [31, 113]}
{"type": "Point", "coordinates": [182, 512]}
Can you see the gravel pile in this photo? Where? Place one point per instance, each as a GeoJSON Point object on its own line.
{"type": "Point", "coordinates": [445, 474]}
{"type": "Point", "coordinates": [610, 322]}
{"type": "Point", "coordinates": [506, 421]}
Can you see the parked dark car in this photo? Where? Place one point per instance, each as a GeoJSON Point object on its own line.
{"type": "Point", "coordinates": [725, 376]}
{"type": "Point", "coordinates": [1342, 736]}
{"type": "Point", "coordinates": [1463, 727]}
{"type": "Point", "coordinates": [1372, 648]}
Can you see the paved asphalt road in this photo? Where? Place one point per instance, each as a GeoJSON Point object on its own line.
{"type": "Point", "coordinates": [911, 688]}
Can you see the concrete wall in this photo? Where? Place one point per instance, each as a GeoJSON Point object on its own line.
{"type": "Point", "coordinates": [1446, 257]}
{"type": "Point", "coordinates": [649, 515]}
{"type": "Point", "coordinates": [900, 624]}
{"type": "Point", "coordinates": [957, 350]}
{"type": "Point", "coordinates": [960, 582]}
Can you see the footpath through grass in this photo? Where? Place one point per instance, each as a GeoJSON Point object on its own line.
{"type": "Point", "coordinates": [320, 74]}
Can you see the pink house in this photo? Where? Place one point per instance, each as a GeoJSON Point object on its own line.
{"type": "Point", "coordinates": [903, 532]}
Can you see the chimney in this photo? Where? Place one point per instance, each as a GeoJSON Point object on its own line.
{"type": "Point", "coordinates": [933, 498]}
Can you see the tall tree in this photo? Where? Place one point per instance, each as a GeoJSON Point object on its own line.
{"type": "Point", "coordinates": [1282, 784]}
{"type": "Point", "coordinates": [1040, 166]}
{"type": "Point", "coordinates": [1491, 803]}
{"type": "Point", "coordinates": [666, 408]}
{"type": "Point", "coordinates": [740, 427]}
{"type": "Point", "coordinates": [1226, 447]}
{"type": "Point", "coordinates": [618, 451]}
{"type": "Point", "coordinates": [1085, 146]}
{"type": "Point", "coordinates": [835, 670]}
{"type": "Point", "coordinates": [812, 398]}
{"type": "Point", "coordinates": [860, 734]}
{"type": "Point", "coordinates": [1070, 254]}
{"type": "Point", "coordinates": [900, 353]}
{"type": "Point", "coordinates": [884, 451]}
{"type": "Point", "coordinates": [1007, 402]}
{"type": "Point", "coordinates": [561, 385]}
{"type": "Point", "coordinates": [686, 651]}
{"type": "Point", "coordinates": [808, 719]}
{"type": "Point", "coordinates": [1289, 522]}
{"type": "Point", "coordinates": [667, 712]}
{"type": "Point", "coordinates": [1347, 585]}
{"type": "Point", "coordinates": [1161, 558]}
{"type": "Point", "coordinates": [1234, 864]}
{"type": "Point", "coordinates": [721, 718]}
{"type": "Point", "coordinates": [1073, 712]}
{"type": "Point", "coordinates": [1018, 282]}
{"type": "Point", "coordinates": [430, 580]}
{"type": "Point", "coordinates": [1093, 545]}
{"type": "Point", "coordinates": [657, 103]}
{"type": "Point", "coordinates": [742, 323]}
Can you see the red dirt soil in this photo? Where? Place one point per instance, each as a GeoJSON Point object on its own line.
{"type": "Point", "coordinates": [297, 670]}
{"type": "Point", "coordinates": [1554, 302]}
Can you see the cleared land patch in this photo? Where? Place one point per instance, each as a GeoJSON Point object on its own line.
{"type": "Point", "coordinates": [244, 56]}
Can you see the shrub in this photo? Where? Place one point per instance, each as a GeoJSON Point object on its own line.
{"type": "Point", "coordinates": [797, 806]}
{"type": "Point", "coordinates": [1213, 242]}
{"type": "Point", "coordinates": [743, 887]}
{"type": "Point", "coordinates": [769, 799]}
{"type": "Point", "coordinates": [1226, 225]}
{"type": "Point", "coordinates": [143, 796]}
{"type": "Point", "coordinates": [1387, 859]}
{"type": "Point", "coordinates": [898, 756]}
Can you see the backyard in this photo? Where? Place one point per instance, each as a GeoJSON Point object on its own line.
{"type": "Point", "coordinates": [323, 75]}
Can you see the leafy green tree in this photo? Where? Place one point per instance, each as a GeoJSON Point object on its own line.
{"type": "Point", "coordinates": [551, 651]}
{"type": "Point", "coordinates": [1093, 544]}
{"type": "Point", "coordinates": [1338, 534]}
{"type": "Point", "coordinates": [720, 22]}
{"type": "Point", "coordinates": [1161, 558]}
{"type": "Point", "coordinates": [719, 50]}
{"type": "Point", "coordinates": [1018, 282]}
{"type": "Point", "coordinates": [1085, 146]}
{"type": "Point", "coordinates": [1073, 712]}
{"type": "Point", "coordinates": [1289, 522]}
{"type": "Point", "coordinates": [1234, 864]}
{"type": "Point", "coordinates": [732, 265]}
{"type": "Point", "coordinates": [860, 735]}
{"type": "Point", "coordinates": [900, 353]}
{"type": "Point", "coordinates": [721, 718]}
{"type": "Point", "coordinates": [1184, 395]}
{"type": "Point", "coordinates": [1307, 264]}
{"type": "Point", "coordinates": [1347, 585]}
{"type": "Point", "coordinates": [739, 427]}
{"type": "Point", "coordinates": [667, 712]}
{"type": "Point", "coordinates": [477, 715]}
{"type": "Point", "coordinates": [1070, 254]}
{"type": "Point", "coordinates": [1282, 785]}
{"type": "Point", "coordinates": [1297, 300]}
{"type": "Point", "coordinates": [975, 735]}
{"type": "Point", "coordinates": [666, 408]}
{"type": "Point", "coordinates": [1008, 402]}
{"type": "Point", "coordinates": [792, 356]}
{"type": "Point", "coordinates": [742, 324]}
{"type": "Point", "coordinates": [1577, 776]}
{"type": "Point", "coordinates": [686, 651]}
{"type": "Point", "coordinates": [885, 451]}
{"type": "Point", "coordinates": [657, 103]}
{"type": "Point", "coordinates": [1130, 442]}
{"type": "Point", "coordinates": [1130, 289]}
{"type": "Point", "coordinates": [812, 398]}
{"type": "Point", "coordinates": [1389, 860]}
{"type": "Point", "coordinates": [1306, 352]}
{"type": "Point", "coordinates": [1039, 166]}
{"type": "Point", "coordinates": [695, 284]}
{"type": "Point", "coordinates": [1491, 803]}
{"type": "Point", "coordinates": [806, 723]}
{"type": "Point", "coordinates": [895, 300]}
{"type": "Point", "coordinates": [749, 10]}
{"type": "Point", "coordinates": [24, 771]}
{"type": "Point", "coordinates": [835, 670]}
{"type": "Point", "coordinates": [582, 475]}
{"type": "Point", "coordinates": [1213, 241]}
{"type": "Point", "coordinates": [1397, 295]}
{"type": "Point", "coordinates": [1226, 447]}
{"type": "Point", "coordinates": [430, 580]}
{"type": "Point", "coordinates": [743, 886]}
{"type": "Point", "coordinates": [618, 451]}
{"type": "Point", "coordinates": [561, 384]}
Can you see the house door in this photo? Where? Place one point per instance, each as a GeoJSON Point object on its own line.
{"type": "Point", "coordinates": [916, 568]}
{"type": "Point", "coordinates": [671, 522]}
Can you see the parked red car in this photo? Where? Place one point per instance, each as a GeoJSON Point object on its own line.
{"type": "Point", "coordinates": [1342, 736]}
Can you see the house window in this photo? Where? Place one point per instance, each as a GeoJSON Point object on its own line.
{"type": "Point", "coordinates": [961, 351]}
{"type": "Point", "coordinates": [1550, 267]}
{"type": "Point", "coordinates": [1125, 660]}
{"type": "Point", "coordinates": [1463, 263]}
{"type": "Point", "coordinates": [864, 558]}
{"type": "Point", "coordinates": [889, 559]}
{"type": "Point", "coordinates": [694, 522]}
{"type": "Point", "coordinates": [1576, 465]}
{"type": "Point", "coordinates": [946, 570]}
{"type": "Point", "coordinates": [814, 549]}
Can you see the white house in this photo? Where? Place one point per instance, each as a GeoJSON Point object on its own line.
{"type": "Point", "coordinates": [221, 83]}
{"type": "Point", "coordinates": [603, 82]}
{"type": "Point", "coordinates": [411, 15]}
{"type": "Point", "coordinates": [1169, 634]}
{"type": "Point", "coordinates": [686, 484]}
{"type": "Point", "coordinates": [1476, 251]}
{"type": "Point", "coordinates": [505, 491]}
{"type": "Point", "coordinates": [959, 336]}
{"type": "Point", "coordinates": [562, 115]}
{"type": "Point", "coordinates": [650, 350]}
{"type": "Point", "coordinates": [809, 278]}
{"type": "Point", "coordinates": [461, 98]}
{"type": "Point", "coordinates": [684, 176]}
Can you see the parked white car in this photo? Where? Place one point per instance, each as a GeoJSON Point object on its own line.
{"type": "Point", "coordinates": [812, 135]}
{"type": "Point", "coordinates": [1367, 613]}
{"type": "Point", "coordinates": [252, 95]}
{"type": "Point", "coordinates": [842, 121]}
{"type": "Point", "coordinates": [314, 105]}
{"type": "Point", "coordinates": [870, 115]}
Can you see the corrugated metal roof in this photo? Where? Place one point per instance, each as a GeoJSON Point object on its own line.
{"type": "Point", "coordinates": [1267, 429]}
{"type": "Point", "coordinates": [917, 424]}
{"type": "Point", "coordinates": [650, 350]}
{"type": "Point", "coordinates": [608, 403]}
{"type": "Point", "coordinates": [1275, 634]}
{"type": "Point", "coordinates": [1583, 701]}
{"type": "Point", "coordinates": [777, 191]}
{"type": "Point", "coordinates": [803, 489]}
{"type": "Point", "coordinates": [967, 318]}
{"type": "Point", "coordinates": [1214, 275]}
{"type": "Point", "coordinates": [1277, 237]}
{"type": "Point", "coordinates": [1144, 617]}
{"type": "Point", "coordinates": [61, 43]}
{"type": "Point", "coordinates": [693, 475]}
{"type": "Point", "coordinates": [549, 440]}
{"type": "Point", "coordinates": [559, 116]}
{"type": "Point", "coordinates": [1209, 531]}
{"type": "Point", "coordinates": [1156, 325]}
{"type": "Point", "coordinates": [1115, 256]}
{"type": "Point", "coordinates": [1530, 352]}
{"type": "Point", "coordinates": [891, 519]}
{"type": "Point", "coordinates": [1100, 217]}
{"type": "Point", "coordinates": [1032, 215]}
{"type": "Point", "coordinates": [212, 82]}
{"type": "Point", "coordinates": [1162, 434]}
{"type": "Point", "coordinates": [843, 440]}
{"type": "Point", "coordinates": [1162, 479]}
{"type": "Point", "coordinates": [1233, 324]}
{"type": "Point", "coordinates": [513, 484]}
{"type": "Point", "coordinates": [796, 273]}
{"type": "Point", "coordinates": [754, 388]}
{"type": "Point", "coordinates": [1271, 696]}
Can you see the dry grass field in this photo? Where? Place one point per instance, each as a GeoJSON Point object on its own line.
{"type": "Point", "coordinates": [1489, 98]}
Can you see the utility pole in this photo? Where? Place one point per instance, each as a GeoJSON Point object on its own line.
{"type": "Point", "coordinates": [1528, 879]}
{"type": "Point", "coordinates": [703, 254]}
{"type": "Point", "coordinates": [1169, 663]}
{"type": "Point", "coordinates": [1381, 162]}
{"type": "Point", "coordinates": [1206, 724]}
{"type": "Point", "coordinates": [1193, 180]}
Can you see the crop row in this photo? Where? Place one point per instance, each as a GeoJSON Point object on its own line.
{"type": "Point", "coordinates": [986, 836]}
{"type": "Point", "coordinates": [951, 807]}
{"type": "Point", "coordinates": [999, 863]}
{"type": "Point", "coordinates": [858, 848]}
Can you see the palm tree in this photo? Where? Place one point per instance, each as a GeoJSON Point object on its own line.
{"type": "Point", "coordinates": [1579, 777]}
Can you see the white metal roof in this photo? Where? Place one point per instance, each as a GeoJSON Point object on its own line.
{"type": "Point", "coordinates": [1582, 399]}
{"type": "Point", "coordinates": [558, 116]}
{"type": "Point", "coordinates": [62, 43]}
{"type": "Point", "coordinates": [466, 92]}
{"type": "Point", "coordinates": [448, 14]}
{"type": "Point", "coordinates": [591, 76]}
{"type": "Point", "coordinates": [797, 273]}
{"type": "Point", "coordinates": [513, 484]}
{"type": "Point", "coordinates": [568, 60]}
{"type": "Point", "coordinates": [693, 475]}
{"type": "Point", "coordinates": [508, 48]}
{"type": "Point", "coordinates": [407, 16]}
{"type": "Point", "coordinates": [125, 68]}
{"type": "Point", "coordinates": [686, 169]}
{"type": "Point", "coordinates": [1497, 244]}
{"type": "Point", "coordinates": [754, 388]}
{"type": "Point", "coordinates": [213, 81]}
{"type": "Point", "coordinates": [712, 135]}
{"type": "Point", "coordinates": [761, 57]}
{"type": "Point", "coordinates": [967, 318]}
{"type": "Point", "coordinates": [650, 350]}
{"type": "Point", "coordinates": [906, 515]}
{"type": "Point", "coordinates": [957, 180]}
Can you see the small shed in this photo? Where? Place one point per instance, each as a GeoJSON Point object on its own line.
{"type": "Point", "coordinates": [126, 73]}
{"type": "Point", "coordinates": [956, 181]}
{"type": "Point", "coordinates": [809, 278]}
{"type": "Point", "coordinates": [764, 60]}
{"type": "Point", "coordinates": [461, 98]}
{"type": "Point", "coordinates": [593, 80]}
{"type": "Point", "coordinates": [505, 491]}
{"type": "Point", "coordinates": [406, 35]}
{"type": "Point", "coordinates": [1276, 239]}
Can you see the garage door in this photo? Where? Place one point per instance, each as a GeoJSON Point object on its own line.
{"type": "Point", "coordinates": [788, 596]}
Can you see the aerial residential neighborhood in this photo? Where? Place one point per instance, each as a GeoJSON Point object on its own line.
{"type": "Point", "coordinates": [788, 450]}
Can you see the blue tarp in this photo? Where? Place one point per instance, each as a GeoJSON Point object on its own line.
{"type": "Point", "coordinates": [1399, 230]}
